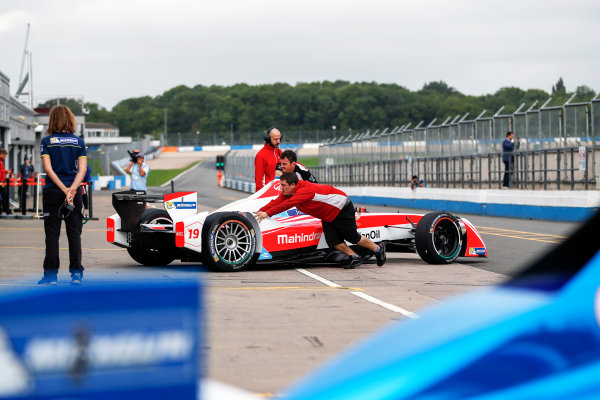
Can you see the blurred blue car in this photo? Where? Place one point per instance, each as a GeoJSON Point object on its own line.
{"type": "Point", "coordinates": [535, 337]}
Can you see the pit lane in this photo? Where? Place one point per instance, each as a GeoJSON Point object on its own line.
{"type": "Point", "coordinates": [269, 326]}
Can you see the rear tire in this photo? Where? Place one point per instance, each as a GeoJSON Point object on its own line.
{"type": "Point", "coordinates": [438, 238]}
{"type": "Point", "coordinates": [228, 242]}
{"type": "Point", "coordinates": [160, 254]}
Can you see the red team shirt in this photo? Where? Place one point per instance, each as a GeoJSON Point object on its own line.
{"type": "Point", "coordinates": [321, 201]}
{"type": "Point", "coordinates": [264, 165]}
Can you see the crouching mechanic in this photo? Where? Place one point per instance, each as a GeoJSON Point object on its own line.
{"type": "Point", "coordinates": [332, 207]}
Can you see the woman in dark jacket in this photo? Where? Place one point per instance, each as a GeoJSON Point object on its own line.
{"type": "Point", "coordinates": [64, 157]}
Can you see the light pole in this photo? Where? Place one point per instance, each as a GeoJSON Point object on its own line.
{"type": "Point", "coordinates": [231, 127]}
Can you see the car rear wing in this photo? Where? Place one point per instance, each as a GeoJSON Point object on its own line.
{"type": "Point", "coordinates": [131, 204]}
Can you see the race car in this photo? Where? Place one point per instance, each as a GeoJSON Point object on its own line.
{"type": "Point", "coordinates": [230, 238]}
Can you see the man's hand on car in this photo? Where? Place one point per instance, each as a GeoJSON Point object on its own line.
{"type": "Point", "coordinates": [260, 215]}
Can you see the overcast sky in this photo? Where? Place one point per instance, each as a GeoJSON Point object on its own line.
{"type": "Point", "coordinates": [110, 50]}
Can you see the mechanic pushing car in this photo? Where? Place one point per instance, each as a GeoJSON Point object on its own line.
{"type": "Point", "coordinates": [329, 204]}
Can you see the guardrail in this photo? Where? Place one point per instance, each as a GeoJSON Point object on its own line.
{"type": "Point", "coordinates": [568, 168]}
{"type": "Point", "coordinates": [547, 127]}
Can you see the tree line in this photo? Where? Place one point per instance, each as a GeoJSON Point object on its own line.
{"type": "Point", "coordinates": [307, 106]}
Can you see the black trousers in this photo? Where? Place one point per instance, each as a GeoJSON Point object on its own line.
{"type": "Point", "coordinates": [53, 198]}
{"type": "Point", "coordinates": [343, 227]}
{"type": "Point", "coordinates": [4, 204]}
{"type": "Point", "coordinates": [508, 166]}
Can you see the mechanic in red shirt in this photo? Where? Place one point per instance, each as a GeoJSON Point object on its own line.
{"type": "Point", "coordinates": [267, 159]}
{"type": "Point", "coordinates": [332, 207]}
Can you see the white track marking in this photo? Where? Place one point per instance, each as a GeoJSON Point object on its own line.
{"type": "Point", "coordinates": [363, 296]}
{"type": "Point", "coordinates": [383, 304]}
{"type": "Point", "coordinates": [318, 278]}
{"type": "Point", "coordinates": [181, 174]}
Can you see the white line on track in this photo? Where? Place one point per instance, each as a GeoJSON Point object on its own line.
{"type": "Point", "coordinates": [181, 174]}
{"type": "Point", "coordinates": [318, 278]}
{"type": "Point", "coordinates": [363, 296]}
{"type": "Point", "coordinates": [383, 304]}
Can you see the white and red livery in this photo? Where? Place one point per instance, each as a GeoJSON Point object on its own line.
{"type": "Point", "coordinates": [230, 238]}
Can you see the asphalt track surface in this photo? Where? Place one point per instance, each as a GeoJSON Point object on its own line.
{"type": "Point", "coordinates": [268, 326]}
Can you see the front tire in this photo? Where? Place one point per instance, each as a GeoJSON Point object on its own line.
{"type": "Point", "coordinates": [228, 242]}
{"type": "Point", "coordinates": [438, 238]}
{"type": "Point", "coordinates": [160, 254]}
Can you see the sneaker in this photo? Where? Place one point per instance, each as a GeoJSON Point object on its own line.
{"type": "Point", "coordinates": [49, 279]}
{"type": "Point", "coordinates": [380, 255]}
{"type": "Point", "coordinates": [76, 278]}
{"type": "Point", "coordinates": [355, 261]}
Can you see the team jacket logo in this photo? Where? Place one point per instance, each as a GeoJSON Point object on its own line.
{"type": "Point", "coordinates": [298, 238]}
{"type": "Point", "coordinates": [58, 140]}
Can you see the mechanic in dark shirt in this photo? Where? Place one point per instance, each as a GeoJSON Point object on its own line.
{"type": "Point", "coordinates": [289, 163]}
{"type": "Point", "coordinates": [64, 156]}
{"type": "Point", "coordinates": [332, 207]}
{"type": "Point", "coordinates": [26, 170]}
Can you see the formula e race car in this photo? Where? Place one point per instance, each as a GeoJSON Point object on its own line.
{"type": "Point", "coordinates": [230, 238]}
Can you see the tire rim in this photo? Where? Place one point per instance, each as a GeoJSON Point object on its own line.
{"type": "Point", "coordinates": [446, 238]}
{"type": "Point", "coordinates": [161, 221]}
{"type": "Point", "coordinates": [233, 242]}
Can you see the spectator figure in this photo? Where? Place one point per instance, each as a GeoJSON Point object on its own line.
{"type": "Point", "coordinates": [289, 163]}
{"type": "Point", "coordinates": [64, 157]}
{"type": "Point", "coordinates": [508, 146]}
{"type": "Point", "coordinates": [26, 170]}
{"type": "Point", "coordinates": [267, 160]}
{"type": "Point", "coordinates": [416, 182]}
{"type": "Point", "coordinates": [4, 175]}
{"type": "Point", "coordinates": [139, 173]}
{"type": "Point", "coordinates": [332, 207]}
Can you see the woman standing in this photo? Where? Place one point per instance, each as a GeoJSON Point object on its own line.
{"type": "Point", "coordinates": [64, 157]}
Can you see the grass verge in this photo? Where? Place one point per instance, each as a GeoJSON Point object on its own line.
{"type": "Point", "coordinates": [159, 176]}
{"type": "Point", "coordinates": [309, 161]}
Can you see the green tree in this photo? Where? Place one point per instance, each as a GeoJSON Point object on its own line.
{"type": "Point", "coordinates": [584, 93]}
{"type": "Point", "coordinates": [215, 110]}
{"type": "Point", "coordinates": [559, 88]}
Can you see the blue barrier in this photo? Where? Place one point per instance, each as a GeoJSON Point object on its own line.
{"type": "Point", "coordinates": [122, 179]}
{"type": "Point", "coordinates": [548, 213]}
{"type": "Point", "coordinates": [117, 341]}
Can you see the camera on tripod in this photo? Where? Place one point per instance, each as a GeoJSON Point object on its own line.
{"type": "Point", "coordinates": [133, 154]}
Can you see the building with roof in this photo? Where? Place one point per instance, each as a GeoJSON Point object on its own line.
{"type": "Point", "coordinates": [103, 132]}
